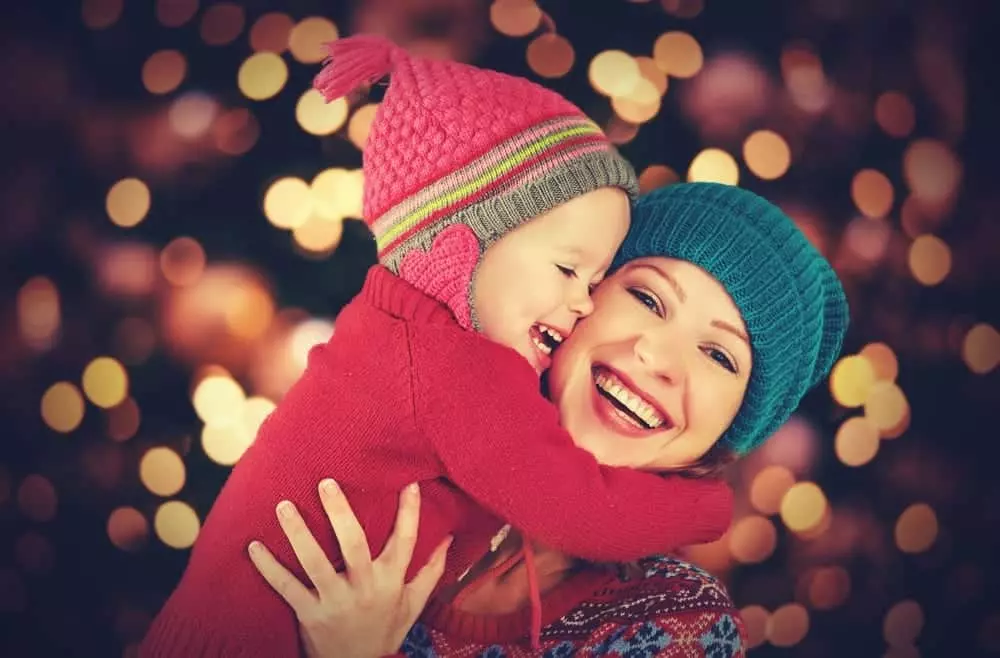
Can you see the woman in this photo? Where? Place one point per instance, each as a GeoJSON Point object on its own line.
{"type": "Point", "coordinates": [718, 318]}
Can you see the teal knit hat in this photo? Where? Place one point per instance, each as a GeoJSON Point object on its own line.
{"type": "Point", "coordinates": [790, 298]}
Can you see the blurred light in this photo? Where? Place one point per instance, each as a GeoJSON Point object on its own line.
{"type": "Point", "coordinates": [650, 71]}
{"type": "Point", "coordinates": [287, 202]}
{"type": "Point", "coordinates": [225, 444]}
{"type": "Point", "coordinates": [307, 40]}
{"type": "Point", "coordinates": [164, 71]}
{"type": "Point", "coordinates": [868, 238]}
{"type": "Point", "coordinates": [683, 8]}
{"type": "Point", "coordinates": [989, 633]}
{"type": "Point", "coordinates": [102, 464]}
{"type": "Point", "coordinates": [871, 192]}
{"type": "Point", "coordinates": [916, 528]}
{"type": "Point", "coordinates": [894, 114]}
{"type": "Point", "coordinates": [857, 441]}
{"type": "Point", "coordinates": [262, 76]}
{"type": "Point", "coordinates": [804, 77]}
{"type": "Point", "coordinates": [755, 619]}
{"type": "Point", "coordinates": [318, 235]}
{"type": "Point", "coordinates": [127, 269]}
{"type": "Point", "coordinates": [767, 154]}
{"type": "Point", "coordinates": [174, 13]}
{"type": "Point", "coordinates": [135, 340]}
{"type": "Point", "coordinates": [752, 539]}
{"type": "Point", "coordinates": [899, 429]}
{"type": "Point", "coordinates": [235, 132]}
{"type": "Point", "coordinates": [317, 117]}
{"type": "Point", "coordinates": [768, 488]}
{"type": "Point", "coordinates": [38, 312]}
{"type": "Point", "coordinates": [360, 124]}
{"type": "Point", "coordinates": [788, 625]}
{"type": "Point", "coordinates": [515, 18]}
{"type": "Point", "coordinates": [550, 55]}
{"type": "Point", "coordinates": [886, 406]}
{"type": "Point", "coordinates": [162, 471]}
{"type": "Point", "coordinates": [903, 623]}
{"type": "Point", "coordinates": [620, 131]}
{"type": "Point", "coordinates": [100, 14]}
{"type": "Point", "coordinates": [176, 524]}
{"type": "Point", "coordinates": [307, 335]}
{"type": "Point", "coordinates": [932, 171]}
{"type": "Point", "coordinates": [270, 33]}
{"type": "Point", "coordinates": [640, 105]}
{"type": "Point", "coordinates": [803, 507]}
{"type": "Point", "coordinates": [222, 23]}
{"type": "Point", "coordinates": [105, 382]}
{"type": "Point", "coordinates": [655, 176]}
{"type": "Point", "coordinates": [678, 54]}
{"type": "Point", "coordinates": [34, 553]}
{"type": "Point", "coordinates": [182, 261]}
{"type": "Point", "coordinates": [218, 400]}
{"type": "Point", "coordinates": [128, 529]}
{"type": "Point", "coordinates": [123, 420]}
{"type": "Point", "coordinates": [929, 259]}
{"type": "Point", "coordinates": [13, 594]}
{"type": "Point", "coordinates": [128, 202]}
{"type": "Point", "coordinates": [883, 361]}
{"type": "Point", "coordinates": [713, 557]}
{"type": "Point", "coordinates": [255, 412]}
{"type": "Point", "coordinates": [613, 73]}
{"type": "Point", "coordinates": [714, 165]}
{"type": "Point", "coordinates": [851, 379]}
{"type": "Point", "coordinates": [829, 587]}
{"type": "Point", "coordinates": [36, 498]}
{"type": "Point", "coordinates": [249, 311]}
{"type": "Point", "coordinates": [62, 407]}
{"type": "Point", "coordinates": [793, 446]}
{"type": "Point", "coordinates": [336, 194]}
{"type": "Point", "coordinates": [192, 114]}
{"type": "Point", "coordinates": [981, 348]}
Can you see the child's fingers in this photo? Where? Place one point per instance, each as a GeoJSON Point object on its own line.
{"type": "Point", "coordinates": [350, 535]}
{"type": "Point", "coordinates": [308, 551]}
{"type": "Point", "coordinates": [281, 579]}
{"type": "Point", "coordinates": [399, 549]}
{"type": "Point", "coordinates": [419, 589]}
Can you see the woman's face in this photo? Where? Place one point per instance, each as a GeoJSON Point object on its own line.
{"type": "Point", "coordinates": [656, 374]}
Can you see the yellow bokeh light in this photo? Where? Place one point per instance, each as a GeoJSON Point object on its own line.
{"type": "Point", "coordinates": [981, 348]}
{"type": "Point", "coordinates": [182, 261]}
{"type": "Point", "coordinates": [886, 406]}
{"type": "Point", "coordinates": [176, 524]}
{"type": "Point", "coordinates": [262, 76]}
{"type": "Point", "coordinates": [714, 165]}
{"type": "Point", "coordinates": [128, 528]}
{"type": "Point", "coordinates": [788, 625]}
{"type": "Point", "coordinates": [767, 154]}
{"type": "Point", "coordinates": [614, 73]}
{"type": "Point", "coordinates": [317, 117]}
{"type": "Point", "coordinates": [932, 170]}
{"type": "Point", "coordinates": [37, 498]}
{"type": "Point", "coordinates": [128, 202]}
{"type": "Point", "coordinates": [515, 18]}
{"type": "Point", "coordinates": [222, 23]}
{"type": "Point", "coordinates": [857, 441]}
{"type": "Point", "coordinates": [307, 40]}
{"type": "Point", "coordinates": [650, 71]}
{"type": "Point", "coordinates": [829, 587]}
{"type": "Point", "coordinates": [803, 507]}
{"type": "Point", "coordinates": [270, 32]}
{"type": "Point", "coordinates": [225, 444]}
{"type": "Point", "coordinates": [640, 105]}
{"type": "Point", "coordinates": [872, 193]}
{"type": "Point", "coordinates": [755, 621]}
{"type": "Point", "coordinates": [255, 412]}
{"type": "Point", "coordinates": [929, 259]}
{"type": "Point", "coordinates": [916, 528]}
{"type": "Point", "coordinates": [319, 235]}
{"type": "Point", "coordinates": [903, 623]}
{"type": "Point", "coordinates": [656, 176]}
{"type": "Point", "coordinates": [218, 400]}
{"type": "Point", "coordinates": [162, 471]}
{"type": "Point", "coordinates": [769, 487]}
{"type": "Point", "coordinates": [550, 55]}
{"type": "Point", "coordinates": [337, 193]}
{"type": "Point", "coordinates": [249, 311]}
{"type": "Point", "coordinates": [62, 407]}
{"type": "Point", "coordinates": [851, 379]}
{"type": "Point", "coordinates": [123, 420]}
{"type": "Point", "coordinates": [235, 131]}
{"type": "Point", "coordinates": [105, 382]}
{"type": "Point", "coordinates": [38, 312]}
{"type": "Point", "coordinates": [883, 361]}
{"type": "Point", "coordinates": [164, 71]}
{"type": "Point", "coordinates": [894, 114]}
{"type": "Point", "coordinates": [288, 202]}
{"type": "Point", "coordinates": [678, 54]}
{"type": "Point", "coordinates": [752, 539]}
{"type": "Point", "coordinates": [174, 13]}
{"type": "Point", "coordinates": [361, 124]}
{"type": "Point", "coordinates": [101, 14]}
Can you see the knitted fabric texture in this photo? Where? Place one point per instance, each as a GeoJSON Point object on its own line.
{"type": "Point", "coordinates": [455, 144]}
{"type": "Point", "coordinates": [790, 298]}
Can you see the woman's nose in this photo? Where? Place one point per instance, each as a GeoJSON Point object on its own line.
{"type": "Point", "coordinates": [662, 356]}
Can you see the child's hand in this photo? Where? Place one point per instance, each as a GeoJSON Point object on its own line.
{"type": "Point", "coordinates": [367, 611]}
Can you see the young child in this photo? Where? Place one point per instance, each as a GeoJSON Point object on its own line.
{"type": "Point", "coordinates": [495, 204]}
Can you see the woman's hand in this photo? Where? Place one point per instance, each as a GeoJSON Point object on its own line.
{"type": "Point", "coordinates": [367, 611]}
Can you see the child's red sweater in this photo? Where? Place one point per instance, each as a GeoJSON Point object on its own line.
{"type": "Point", "coordinates": [403, 394]}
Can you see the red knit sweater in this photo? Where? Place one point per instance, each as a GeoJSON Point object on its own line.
{"type": "Point", "coordinates": [402, 394]}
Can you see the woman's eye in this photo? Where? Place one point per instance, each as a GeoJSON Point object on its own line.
{"type": "Point", "coordinates": [567, 271]}
{"type": "Point", "coordinates": [721, 358]}
{"type": "Point", "coordinates": [646, 300]}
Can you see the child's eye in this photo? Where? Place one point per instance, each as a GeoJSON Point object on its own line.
{"type": "Point", "coordinates": [567, 271]}
{"type": "Point", "coordinates": [721, 358]}
{"type": "Point", "coordinates": [647, 300]}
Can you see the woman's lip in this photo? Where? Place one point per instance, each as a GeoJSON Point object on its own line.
{"type": "Point", "coordinates": [668, 420]}
{"type": "Point", "coordinates": [614, 418]}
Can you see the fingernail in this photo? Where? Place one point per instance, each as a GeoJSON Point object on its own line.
{"type": "Point", "coordinates": [413, 489]}
{"type": "Point", "coordinates": [286, 509]}
{"type": "Point", "coordinates": [254, 547]}
{"type": "Point", "coordinates": [329, 487]}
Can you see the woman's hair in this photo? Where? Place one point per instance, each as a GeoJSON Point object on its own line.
{"type": "Point", "coordinates": [711, 464]}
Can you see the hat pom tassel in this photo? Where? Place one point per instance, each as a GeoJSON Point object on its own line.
{"type": "Point", "coordinates": [356, 61]}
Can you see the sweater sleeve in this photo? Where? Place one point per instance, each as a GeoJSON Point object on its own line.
{"type": "Point", "coordinates": [501, 442]}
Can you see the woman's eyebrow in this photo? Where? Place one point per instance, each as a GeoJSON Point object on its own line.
{"type": "Point", "coordinates": [668, 278]}
{"type": "Point", "coordinates": [725, 326]}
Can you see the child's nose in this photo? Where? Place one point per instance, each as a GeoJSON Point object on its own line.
{"type": "Point", "coordinates": [580, 302]}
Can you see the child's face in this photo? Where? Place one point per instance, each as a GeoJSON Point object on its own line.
{"type": "Point", "coordinates": [534, 284]}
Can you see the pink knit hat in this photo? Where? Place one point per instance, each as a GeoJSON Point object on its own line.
{"type": "Point", "coordinates": [458, 156]}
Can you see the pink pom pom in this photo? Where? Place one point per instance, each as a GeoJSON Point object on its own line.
{"type": "Point", "coordinates": [355, 61]}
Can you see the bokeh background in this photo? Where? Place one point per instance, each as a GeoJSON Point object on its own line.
{"type": "Point", "coordinates": [180, 224]}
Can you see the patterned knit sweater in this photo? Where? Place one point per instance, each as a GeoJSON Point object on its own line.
{"type": "Point", "coordinates": [672, 609]}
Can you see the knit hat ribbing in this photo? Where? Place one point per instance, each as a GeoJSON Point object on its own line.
{"type": "Point", "coordinates": [790, 298]}
{"type": "Point", "coordinates": [452, 144]}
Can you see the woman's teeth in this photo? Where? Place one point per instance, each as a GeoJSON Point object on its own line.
{"type": "Point", "coordinates": [545, 338]}
{"type": "Point", "coordinates": [613, 387]}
